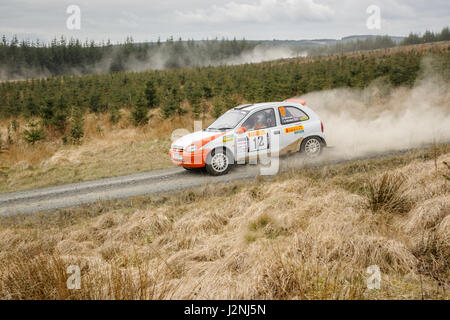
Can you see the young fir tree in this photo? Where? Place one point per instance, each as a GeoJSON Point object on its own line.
{"type": "Point", "coordinates": [151, 94]}
{"type": "Point", "coordinates": [217, 108]}
{"type": "Point", "coordinates": [76, 129]}
{"type": "Point", "coordinates": [60, 115]}
{"type": "Point", "coordinates": [34, 133]}
{"type": "Point", "coordinates": [115, 114]}
{"type": "Point", "coordinates": [172, 104]}
{"type": "Point", "coordinates": [139, 115]}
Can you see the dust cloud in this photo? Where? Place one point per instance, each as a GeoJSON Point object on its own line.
{"type": "Point", "coordinates": [262, 53]}
{"type": "Point", "coordinates": [380, 118]}
{"type": "Point", "coordinates": [159, 60]}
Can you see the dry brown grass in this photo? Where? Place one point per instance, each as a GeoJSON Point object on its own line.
{"type": "Point", "coordinates": [45, 277]}
{"type": "Point", "coordinates": [387, 193]}
{"type": "Point", "coordinates": [301, 235]}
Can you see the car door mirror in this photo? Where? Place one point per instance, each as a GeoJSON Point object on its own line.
{"type": "Point", "coordinates": [241, 130]}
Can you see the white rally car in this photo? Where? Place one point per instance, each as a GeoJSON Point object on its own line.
{"type": "Point", "coordinates": [248, 132]}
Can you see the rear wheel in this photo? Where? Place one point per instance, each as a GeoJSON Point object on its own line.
{"type": "Point", "coordinates": [218, 162]}
{"type": "Point", "coordinates": [312, 147]}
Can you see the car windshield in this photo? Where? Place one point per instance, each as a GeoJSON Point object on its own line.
{"type": "Point", "coordinates": [228, 120]}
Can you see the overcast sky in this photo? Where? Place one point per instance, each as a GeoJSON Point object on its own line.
{"type": "Point", "coordinates": [252, 19]}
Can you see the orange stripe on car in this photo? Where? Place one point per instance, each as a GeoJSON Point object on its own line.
{"type": "Point", "coordinates": [201, 143]}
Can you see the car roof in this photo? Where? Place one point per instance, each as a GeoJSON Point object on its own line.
{"type": "Point", "coordinates": [258, 106]}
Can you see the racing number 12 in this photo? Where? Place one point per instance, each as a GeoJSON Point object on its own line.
{"type": "Point", "coordinates": [258, 143]}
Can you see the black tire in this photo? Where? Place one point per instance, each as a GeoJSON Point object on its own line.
{"type": "Point", "coordinates": [214, 160]}
{"type": "Point", "coordinates": [312, 147]}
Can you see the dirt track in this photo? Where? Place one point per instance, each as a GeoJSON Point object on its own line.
{"type": "Point", "coordinates": [159, 181]}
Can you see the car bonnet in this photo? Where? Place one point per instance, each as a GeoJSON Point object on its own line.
{"type": "Point", "coordinates": [199, 138]}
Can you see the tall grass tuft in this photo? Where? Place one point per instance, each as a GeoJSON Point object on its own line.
{"type": "Point", "coordinates": [44, 277]}
{"type": "Point", "coordinates": [387, 194]}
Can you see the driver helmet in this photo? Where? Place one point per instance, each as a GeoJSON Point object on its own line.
{"type": "Point", "coordinates": [259, 121]}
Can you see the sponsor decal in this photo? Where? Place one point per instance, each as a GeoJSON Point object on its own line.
{"type": "Point", "coordinates": [227, 138]}
{"type": "Point", "coordinates": [304, 118]}
{"type": "Point", "coordinates": [256, 133]}
{"type": "Point", "coordinates": [296, 129]}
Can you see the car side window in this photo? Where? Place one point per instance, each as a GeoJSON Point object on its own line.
{"type": "Point", "coordinates": [260, 120]}
{"type": "Point", "coordinates": [291, 114]}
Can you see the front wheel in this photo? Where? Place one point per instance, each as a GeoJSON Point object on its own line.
{"type": "Point", "coordinates": [218, 162]}
{"type": "Point", "coordinates": [312, 147]}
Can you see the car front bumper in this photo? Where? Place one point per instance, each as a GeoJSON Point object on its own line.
{"type": "Point", "coordinates": [195, 159]}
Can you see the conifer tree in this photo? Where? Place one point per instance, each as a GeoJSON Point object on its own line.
{"type": "Point", "coordinates": [139, 114]}
{"type": "Point", "coordinates": [151, 93]}
{"type": "Point", "coordinates": [77, 123]}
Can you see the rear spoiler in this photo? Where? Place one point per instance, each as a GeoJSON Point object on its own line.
{"type": "Point", "coordinates": [302, 102]}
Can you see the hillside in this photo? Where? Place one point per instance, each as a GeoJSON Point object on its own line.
{"type": "Point", "coordinates": [25, 59]}
{"type": "Point", "coordinates": [305, 234]}
{"type": "Point", "coordinates": [223, 85]}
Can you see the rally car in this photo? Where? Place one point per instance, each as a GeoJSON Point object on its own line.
{"type": "Point", "coordinates": [249, 132]}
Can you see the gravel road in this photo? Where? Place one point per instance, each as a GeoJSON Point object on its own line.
{"type": "Point", "coordinates": [167, 180]}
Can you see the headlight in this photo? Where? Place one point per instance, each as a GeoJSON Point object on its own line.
{"type": "Point", "coordinates": [191, 148]}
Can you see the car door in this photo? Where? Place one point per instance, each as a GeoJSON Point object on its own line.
{"type": "Point", "coordinates": [293, 124]}
{"type": "Point", "coordinates": [258, 132]}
